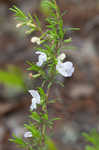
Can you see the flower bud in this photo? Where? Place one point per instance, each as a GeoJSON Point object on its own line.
{"type": "Point", "coordinates": [35, 40]}
{"type": "Point", "coordinates": [18, 25]}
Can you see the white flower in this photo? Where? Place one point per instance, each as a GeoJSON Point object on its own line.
{"type": "Point", "coordinates": [35, 40]}
{"type": "Point", "coordinates": [27, 134]}
{"type": "Point", "coordinates": [61, 57]}
{"type": "Point", "coordinates": [19, 25]}
{"type": "Point", "coordinates": [42, 58]}
{"type": "Point", "coordinates": [35, 99]}
{"type": "Point", "coordinates": [66, 69]}
{"type": "Point", "coordinates": [31, 25]}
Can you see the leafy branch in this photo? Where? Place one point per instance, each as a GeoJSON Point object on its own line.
{"type": "Point", "coordinates": [50, 64]}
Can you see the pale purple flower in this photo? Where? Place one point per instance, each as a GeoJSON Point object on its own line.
{"type": "Point", "coordinates": [27, 134]}
{"type": "Point", "coordinates": [66, 69]}
{"type": "Point", "coordinates": [41, 58]}
{"type": "Point", "coordinates": [35, 99]}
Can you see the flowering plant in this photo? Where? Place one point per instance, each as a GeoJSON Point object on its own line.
{"type": "Point", "coordinates": [50, 63]}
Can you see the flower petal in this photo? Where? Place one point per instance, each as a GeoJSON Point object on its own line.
{"type": "Point", "coordinates": [34, 94]}
{"type": "Point", "coordinates": [66, 69]}
{"type": "Point", "coordinates": [27, 134]}
{"type": "Point", "coordinates": [35, 99]}
{"type": "Point", "coordinates": [35, 40]}
{"type": "Point", "coordinates": [41, 59]}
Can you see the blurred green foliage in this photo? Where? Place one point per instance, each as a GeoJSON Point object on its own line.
{"type": "Point", "coordinates": [51, 144]}
{"type": "Point", "coordinates": [93, 139]}
{"type": "Point", "coordinates": [48, 7]}
{"type": "Point", "coordinates": [12, 77]}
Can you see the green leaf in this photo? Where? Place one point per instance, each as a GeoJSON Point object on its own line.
{"type": "Point", "coordinates": [24, 20]}
{"type": "Point", "coordinates": [36, 76]}
{"type": "Point", "coordinates": [93, 138]}
{"type": "Point", "coordinates": [60, 83]}
{"type": "Point", "coordinates": [54, 119]}
{"type": "Point", "coordinates": [68, 40]}
{"type": "Point", "coordinates": [42, 93]}
{"type": "Point", "coordinates": [46, 51]}
{"type": "Point", "coordinates": [45, 116]}
{"type": "Point", "coordinates": [19, 141]}
{"type": "Point", "coordinates": [33, 67]}
{"type": "Point", "coordinates": [36, 68]}
{"type": "Point", "coordinates": [48, 5]}
{"type": "Point", "coordinates": [18, 12]}
{"type": "Point", "coordinates": [90, 148]}
{"type": "Point", "coordinates": [51, 101]}
{"type": "Point", "coordinates": [37, 21]}
{"type": "Point", "coordinates": [31, 148]}
{"type": "Point", "coordinates": [12, 77]}
{"type": "Point", "coordinates": [49, 85]}
{"type": "Point", "coordinates": [69, 48]}
{"type": "Point", "coordinates": [74, 29]}
{"type": "Point", "coordinates": [32, 128]}
{"type": "Point", "coordinates": [51, 144]}
{"type": "Point", "coordinates": [64, 13]}
{"type": "Point", "coordinates": [29, 31]}
{"type": "Point", "coordinates": [35, 117]}
{"type": "Point", "coordinates": [31, 18]}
